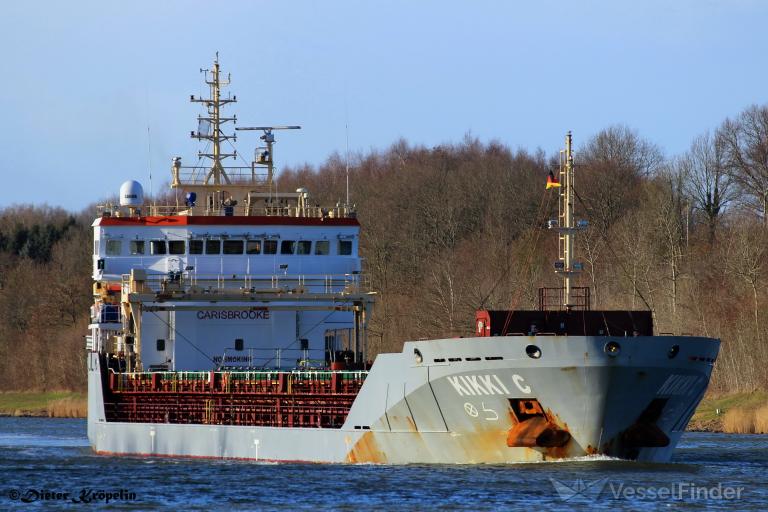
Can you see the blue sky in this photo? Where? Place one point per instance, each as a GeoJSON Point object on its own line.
{"type": "Point", "coordinates": [83, 80]}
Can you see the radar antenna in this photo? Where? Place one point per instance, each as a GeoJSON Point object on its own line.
{"type": "Point", "coordinates": [265, 154]}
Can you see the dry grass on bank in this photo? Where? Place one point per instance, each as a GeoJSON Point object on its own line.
{"type": "Point", "coordinates": [761, 420]}
{"type": "Point", "coordinates": [68, 408]}
{"type": "Point", "coordinates": [56, 404]}
{"type": "Point", "coordinates": [740, 407]}
{"type": "Point", "coordinates": [739, 421]}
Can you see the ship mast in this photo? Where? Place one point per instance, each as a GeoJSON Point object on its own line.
{"type": "Point", "coordinates": [209, 128]}
{"type": "Point", "coordinates": [217, 189]}
{"type": "Point", "coordinates": [567, 266]}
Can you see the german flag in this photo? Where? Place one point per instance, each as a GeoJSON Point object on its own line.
{"type": "Point", "coordinates": [552, 181]}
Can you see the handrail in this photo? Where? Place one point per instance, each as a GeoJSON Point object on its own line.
{"type": "Point", "coordinates": [240, 210]}
{"type": "Point", "coordinates": [312, 283]}
{"type": "Point", "coordinates": [241, 175]}
{"type": "Point", "coordinates": [205, 375]}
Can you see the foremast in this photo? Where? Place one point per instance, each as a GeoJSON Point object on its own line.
{"type": "Point", "coordinates": [567, 266]}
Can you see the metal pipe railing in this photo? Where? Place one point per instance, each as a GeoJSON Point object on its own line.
{"type": "Point", "coordinates": [311, 283]}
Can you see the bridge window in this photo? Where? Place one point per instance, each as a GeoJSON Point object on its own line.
{"type": "Point", "coordinates": [287, 247]}
{"type": "Point", "coordinates": [304, 247]}
{"type": "Point", "coordinates": [213, 247]}
{"type": "Point", "coordinates": [253, 247]}
{"type": "Point", "coordinates": [322, 247]}
{"type": "Point", "coordinates": [233, 247]}
{"type": "Point", "coordinates": [176, 247]}
{"type": "Point", "coordinates": [160, 345]}
{"type": "Point", "coordinates": [345, 247]}
{"type": "Point", "coordinates": [114, 247]}
{"type": "Point", "coordinates": [195, 247]}
{"type": "Point", "coordinates": [137, 247]}
{"type": "Point", "coordinates": [157, 247]}
{"type": "Point", "coordinates": [270, 246]}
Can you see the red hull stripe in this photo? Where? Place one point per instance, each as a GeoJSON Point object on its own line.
{"type": "Point", "coordinates": [190, 220]}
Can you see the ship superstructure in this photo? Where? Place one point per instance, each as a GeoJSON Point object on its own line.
{"type": "Point", "coordinates": [234, 324]}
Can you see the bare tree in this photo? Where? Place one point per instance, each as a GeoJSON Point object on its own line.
{"type": "Point", "coordinates": [611, 167]}
{"type": "Point", "coordinates": [707, 182]}
{"type": "Point", "coordinates": [745, 142]}
{"type": "Point", "coordinates": [670, 222]}
{"type": "Point", "coordinates": [746, 257]}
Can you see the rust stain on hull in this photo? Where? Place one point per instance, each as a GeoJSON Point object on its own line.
{"type": "Point", "coordinates": [531, 433]}
{"type": "Point", "coordinates": [539, 432]}
{"type": "Point", "coordinates": [544, 431]}
{"type": "Point", "coordinates": [526, 433]}
{"type": "Point", "coordinates": [366, 449]}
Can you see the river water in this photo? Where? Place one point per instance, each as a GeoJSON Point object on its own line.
{"type": "Point", "coordinates": [41, 457]}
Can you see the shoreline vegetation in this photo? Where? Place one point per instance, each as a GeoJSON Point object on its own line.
{"type": "Point", "coordinates": [54, 404]}
{"type": "Point", "coordinates": [733, 413]}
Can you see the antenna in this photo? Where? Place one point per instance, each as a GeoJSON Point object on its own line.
{"type": "Point", "coordinates": [149, 162]}
{"type": "Point", "coordinates": [346, 128]}
{"type": "Point", "coordinates": [149, 147]}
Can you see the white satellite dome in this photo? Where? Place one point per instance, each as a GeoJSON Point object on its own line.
{"type": "Point", "coordinates": [131, 194]}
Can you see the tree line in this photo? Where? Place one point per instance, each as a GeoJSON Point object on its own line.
{"type": "Point", "coordinates": [457, 227]}
{"type": "Point", "coordinates": [45, 294]}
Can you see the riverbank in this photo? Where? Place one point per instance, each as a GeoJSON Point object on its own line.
{"type": "Point", "coordinates": [741, 413]}
{"type": "Point", "coordinates": [51, 404]}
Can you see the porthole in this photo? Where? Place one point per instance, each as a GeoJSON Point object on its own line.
{"type": "Point", "coordinates": [612, 348]}
{"type": "Point", "coordinates": [673, 351]}
{"type": "Point", "coordinates": [533, 351]}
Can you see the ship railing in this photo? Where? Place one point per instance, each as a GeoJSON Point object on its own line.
{"type": "Point", "coordinates": [350, 283]}
{"type": "Point", "coordinates": [253, 175]}
{"type": "Point", "coordinates": [268, 358]}
{"type": "Point", "coordinates": [253, 380]}
{"type": "Point", "coordinates": [266, 209]}
{"type": "Point", "coordinates": [205, 375]}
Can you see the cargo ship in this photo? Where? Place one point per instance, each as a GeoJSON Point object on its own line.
{"type": "Point", "coordinates": [233, 324]}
